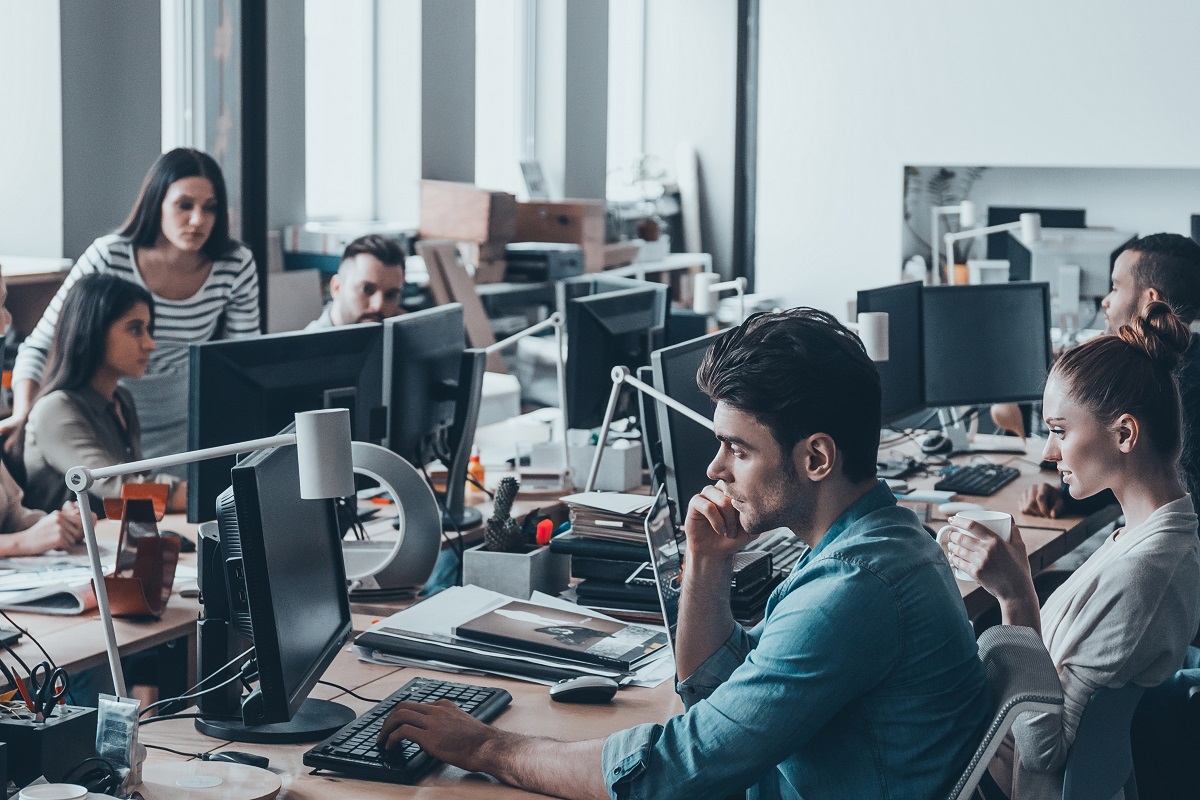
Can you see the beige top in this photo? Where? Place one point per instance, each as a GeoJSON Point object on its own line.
{"type": "Point", "coordinates": [14, 516]}
{"type": "Point", "coordinates": [1126, 615]}
{"type": "Point", "coordinates": [73, 428]}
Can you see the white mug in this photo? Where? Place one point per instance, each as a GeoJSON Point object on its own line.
{"type": "Point", "coordinates": [997, 522]}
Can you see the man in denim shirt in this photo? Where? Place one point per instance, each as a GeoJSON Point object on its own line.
{"type": "Point", "coordinates": [862, 680]}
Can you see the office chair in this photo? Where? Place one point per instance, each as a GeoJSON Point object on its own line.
{"type": "Point", "coordinates": [1100, 761]}
{"type": "Point", "coordinates": [10, 455]}
{"type": "Point", "coordinates": [1022, 678]}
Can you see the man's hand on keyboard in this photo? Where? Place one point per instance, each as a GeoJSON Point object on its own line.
{"type": "Point", "coordinates": [1043, 500]}
{"type": "Point", "coordinates": [442, 729]}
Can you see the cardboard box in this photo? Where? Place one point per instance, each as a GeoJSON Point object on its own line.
{"type": "Point", "coordinates": [465, 213]}
{"type": "Point", "coordinates": [578, 222]}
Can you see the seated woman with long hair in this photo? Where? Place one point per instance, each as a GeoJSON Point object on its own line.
{"type": "Point", "coordinates": [1127, 614]}
{"type": "Point", "coordinates": [82, 416]}
{"type": "Point", "coordinates": [27, 532]}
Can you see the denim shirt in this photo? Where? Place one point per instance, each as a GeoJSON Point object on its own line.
{"type": "Point", "coordinates": [862, 681]}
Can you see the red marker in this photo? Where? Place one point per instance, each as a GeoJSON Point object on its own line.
{"type": "Point", "coordinates": [545, 530]}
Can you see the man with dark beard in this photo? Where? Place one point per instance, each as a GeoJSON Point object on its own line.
{"type": "Point", "coordinates": [368, 286]}
{"type": "Point", "coordinates": [862, 680]}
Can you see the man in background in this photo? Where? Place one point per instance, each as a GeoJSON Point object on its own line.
{"type": "Point", "coordinates": [368, 286]}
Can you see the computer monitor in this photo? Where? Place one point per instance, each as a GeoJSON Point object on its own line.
{"type": "Point", "coordinates": [274, 578]}
{"type": "Point", "coordinates": [605, 331]}
{"type": "Point", "coordinates": [902, 375]}
{"type": "Point", "coordinates": [591, 285]}
{"type": "Point", "coordinates": [985, 344]}
{"type": "Point", "coordinates": [688, 447]}
{"type": "Point", "coordinates": [652, 449]}
{"type": "Point", "coordinates": [999, 245]}
{"type": "Point", "coordinates": [249, 388]}
{"type": "Point", "coordinates": [422, 357]}
{"type": "Point", "coordinates": [1092, 250]}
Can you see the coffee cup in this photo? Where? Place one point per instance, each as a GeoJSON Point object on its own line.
{"type": "Point", "coordinates": [997, 522]}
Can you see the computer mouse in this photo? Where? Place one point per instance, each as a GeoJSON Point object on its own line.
{"type": "Point", "coordinates": [936, 444]}
{"type": "Point", "coordinates": [950, 509]}
{"type": "Point", "coordinates": [584, 689]}
{"type": "Point", "coordinates": [237, 757]}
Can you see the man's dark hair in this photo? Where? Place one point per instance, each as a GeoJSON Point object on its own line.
{"type": "Point", "coordinates": [386, 248]}
{"type": "Point", "coordinates": [1169, 263]}
{"type": "Point", "coordinates": [800, 372]}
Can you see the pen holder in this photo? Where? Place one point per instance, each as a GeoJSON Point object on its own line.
{"type": "Point", "coordinates": [146, 561]}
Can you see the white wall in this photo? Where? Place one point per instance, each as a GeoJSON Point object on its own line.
{"type": "Point", "coordinates": [851, 92]}
{"type": "Point", "coordinates": [691, 95]}
{"type": "Point", "coordinates": [31, 186]}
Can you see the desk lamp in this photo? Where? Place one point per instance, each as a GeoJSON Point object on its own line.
{"type": "Point", "coordinates": [967, 212]}
{"type": "Point", "coordinates": [556, 321]}
{"type": "Point", "coordinates": [706, 289]}
{"type": "Point", "coordinates": [1030, 226]}
{"type": "Point", "coordinates": [322, 441]}
{"type": "Point", "coordinates": [872, 328]}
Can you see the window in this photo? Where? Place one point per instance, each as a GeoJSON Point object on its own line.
{"type": "Point", "coordinates": [503, 66]}
{"type": "Point", "coordinates": [626, 96]}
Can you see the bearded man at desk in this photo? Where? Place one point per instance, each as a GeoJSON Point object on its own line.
{"type": "Point", "coordinates": [863, 679]}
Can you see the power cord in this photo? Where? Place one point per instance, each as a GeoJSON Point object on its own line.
{"type": "Point", "coordinates": [103, 778]}
{"type": "Point", "coordinates": [32, 638]}
{"type": "Point", "coordinates": [187, 695]}
{"type": "Point", "coordinates": [352, 694]}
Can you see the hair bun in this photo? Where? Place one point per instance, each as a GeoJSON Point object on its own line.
{"type": "Point", "coordinates": [1160, 333]}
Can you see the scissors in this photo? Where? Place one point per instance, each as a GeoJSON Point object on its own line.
{"type": "Point", "coordinates": [48, 687]}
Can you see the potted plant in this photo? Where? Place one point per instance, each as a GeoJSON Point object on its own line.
{"type": "Point", "coordinates": [944, 187]}
{"type": "Point", "coordinates": [506, 562]}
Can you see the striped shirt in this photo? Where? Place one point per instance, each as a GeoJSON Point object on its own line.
{"type": "Point", "coordinates": [231, 289]}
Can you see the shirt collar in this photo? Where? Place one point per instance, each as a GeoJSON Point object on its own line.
{"type": "Point", "coordinates": [879, 497]}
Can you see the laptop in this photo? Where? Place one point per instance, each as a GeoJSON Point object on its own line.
{"type": "Point", "coordinates": [666, 559]}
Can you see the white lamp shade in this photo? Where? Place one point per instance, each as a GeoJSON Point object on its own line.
{"type": "Point", "coordinates": [702, 295]}
{"type": "Point", "coordinates": [324, 454]}
{"type": "Point", "coordinates": [1031, 228]}
{"type": "Point", "coordinates": [873, 330]}
{"type": "Point", "coordinates": [968, 214]}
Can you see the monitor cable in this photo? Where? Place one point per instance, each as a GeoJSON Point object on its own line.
{"type": "Point", "coordinates": [192, 693]}
{"type": "Point", "coordinates": [352, 694]}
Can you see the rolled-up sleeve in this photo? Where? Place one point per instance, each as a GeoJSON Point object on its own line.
{"type": "Point", "coordinates": [765, 692]}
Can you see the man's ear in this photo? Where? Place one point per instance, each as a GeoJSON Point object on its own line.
{"type": "Point", "coordinates": [1149, 296]}
{"type": "Point", "coordinates": [815, 456]}
{"type": "Point", "coordinates": [335, 284]}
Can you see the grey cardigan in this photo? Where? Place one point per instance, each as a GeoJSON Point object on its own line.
{"type": "Point", "coordinates": [78, 427]}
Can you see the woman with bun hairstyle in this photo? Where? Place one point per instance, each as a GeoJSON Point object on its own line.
{"type": "Point", "coordinates": [176, 245]}
{"type": "Point", "coordinates": [1127, 614]}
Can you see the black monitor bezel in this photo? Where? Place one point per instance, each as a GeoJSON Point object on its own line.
{"type": "Point", "coordinates": [863, 304]}
{"type": "Point", "coordinates": [972, 400]}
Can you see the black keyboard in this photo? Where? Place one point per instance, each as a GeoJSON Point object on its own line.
{"type": "Point", "coordinates": [785, 550]}
{"type": "Point", "coordinates": [977, 479]}
{"type": "Point", "coordinates": [352, 751]}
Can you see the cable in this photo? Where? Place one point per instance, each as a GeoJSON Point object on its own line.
{"type": "Point", "coordinates": [175, 752]}
{"type": "Point", "coordinates": [205, 680]}
{"type": "Point", "coordinates": [352, 694]}
{"type": "Point", "coordinates": [193, 696]}
{"type": "Point", "coordinates": [32, 638]}
{"type": "Point", "coordinates": [166, 717]}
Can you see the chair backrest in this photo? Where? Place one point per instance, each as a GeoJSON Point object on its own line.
{"type": "Point", "coordinates": [11, 458]}
{"type": "Point", "coordinates": [1100, 761]}
{"type": "Point", "coordinates": [1022, 678]}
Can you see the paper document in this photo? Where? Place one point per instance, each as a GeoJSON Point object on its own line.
{"type": "Point", "coordinates": [612, 502]}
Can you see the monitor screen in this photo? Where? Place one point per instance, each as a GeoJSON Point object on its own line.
{"type": "Point", "coordinates": [648, 424]}
{"type": "Point", "coordinates": [985, 344]}
{"type": "Point", "coordinates": [286, 579]}
{"type": "Point", "coordinates": [244, 389]}
{"type": "Point", "coordinates": [999, 244]}
{"type": "Point", "coordinates": [901, 375]}
{"type": "Point", "coordinates": [605, 331]}
{"type": "Point", "coordinates": [422, 356]}
{"type": "Point", "coordinates": [688, 447]}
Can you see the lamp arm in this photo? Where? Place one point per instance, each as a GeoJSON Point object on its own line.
{"type": "Point", "coordinates": [620, 377]}
{"type": "Point", "coordinates": [110, 634]}
{"type": "Point", "coordinates": [81, 478]}
{"type": "Point", "coordinates": [555, 321]}
{"type": "Point", "coordinates": [951, 238]}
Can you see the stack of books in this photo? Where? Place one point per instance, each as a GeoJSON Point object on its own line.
{"type": "Point", "coordinates": [609, 554]}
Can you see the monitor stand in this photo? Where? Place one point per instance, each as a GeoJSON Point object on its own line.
{"type": "Point", "coordinates": [465, 517]}
{"type": "Point", "coordinates": [316, 720]}
{"type": "Point", "coordinates": [960, 440]}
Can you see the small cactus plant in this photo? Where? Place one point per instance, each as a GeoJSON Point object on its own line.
{"type": "Point", "coordinates": [503, 534]}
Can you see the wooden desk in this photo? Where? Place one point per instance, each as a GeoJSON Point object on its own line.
{"type": "Point", "coordinates": [77, 642]}
{"type": "Point", "coordinates": [1046, 539]}
{"type": "Point", "coordinates": [531, 712]}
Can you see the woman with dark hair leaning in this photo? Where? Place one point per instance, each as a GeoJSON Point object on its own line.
{"type": "Point", "coordinates": [1112, 405]}
{"type": "Point", "coordinates": [175, 245]}
{"type": "Point", "coordinates": [82, 416]}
